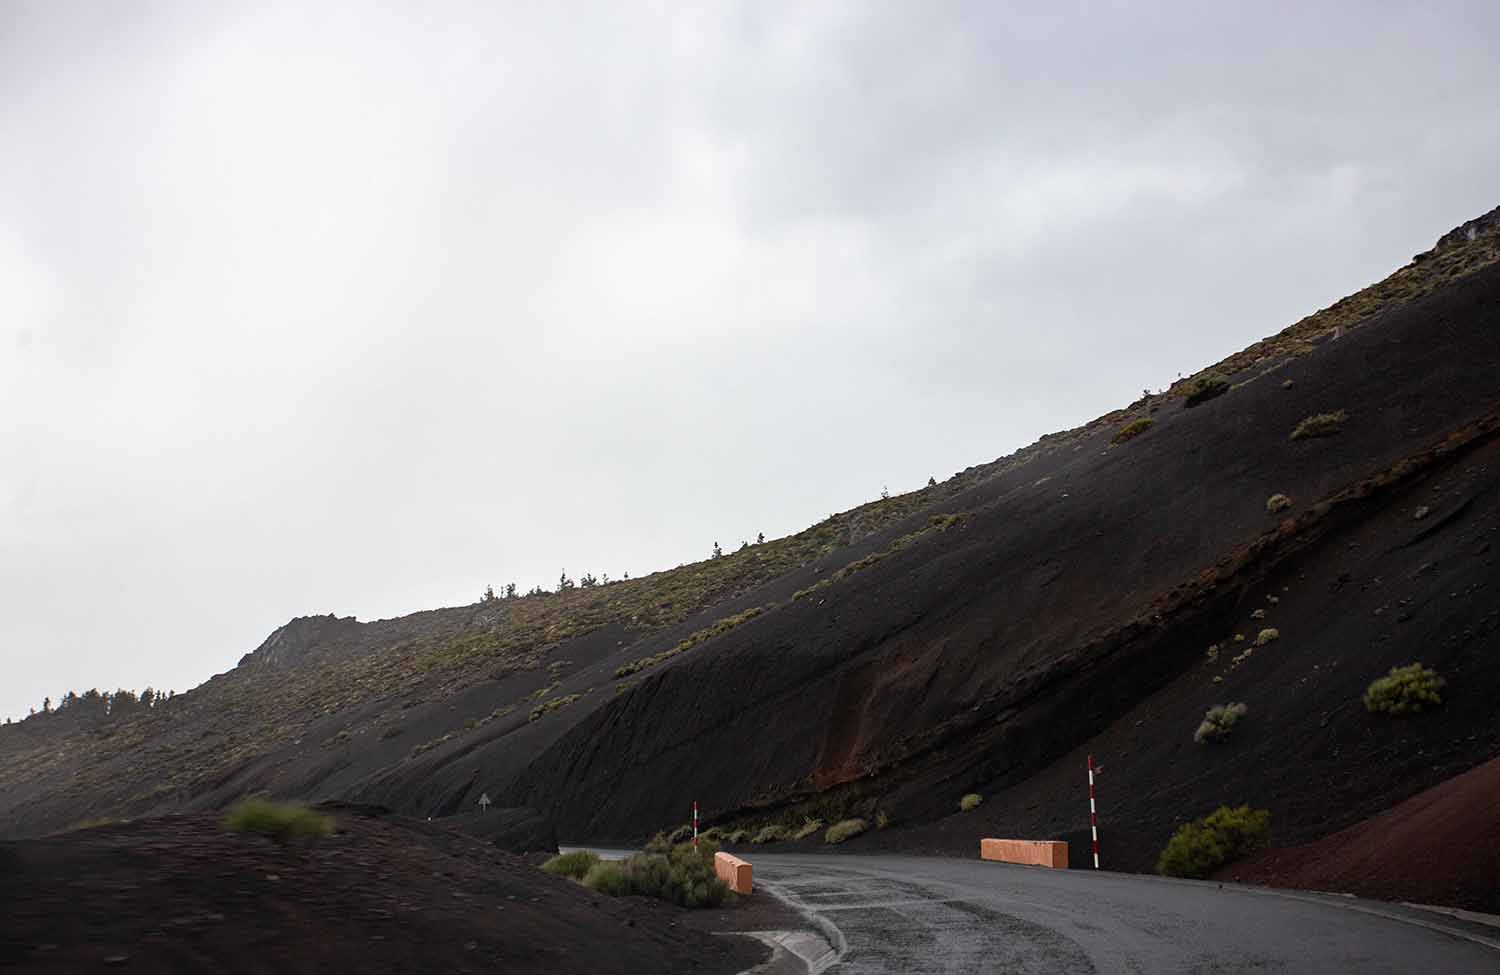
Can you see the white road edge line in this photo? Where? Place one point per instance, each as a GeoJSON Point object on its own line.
{"type": "Point", "coordinates": [837, 943]}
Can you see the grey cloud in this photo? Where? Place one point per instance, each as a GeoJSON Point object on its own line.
{"type": "Point", "coordinates": [356, 308]}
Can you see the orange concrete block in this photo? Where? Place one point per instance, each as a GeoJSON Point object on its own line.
{"type": "Point", "coordinates": [1038, 853]}
{"type": "Point", "coordinates": [734, 872]}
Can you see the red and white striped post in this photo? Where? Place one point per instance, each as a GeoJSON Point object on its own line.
{"type": "Point", "coordinates": [1093, 813]}
{"type": "Point", "coordinates": [695, 824]}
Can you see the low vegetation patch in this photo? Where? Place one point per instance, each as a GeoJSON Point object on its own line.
{"type": "Point", "coordinates": [574, 865]}
{"type": "Point", "coordinates": [1199, 848]}
{"type": "Point", "coordinates": [771, 834]}
{"type": "Point", "coordinates": [938, 523]}
{"type": "Point", "coordinates": [1320, 425]}
{"type": "Point", "coordinates": [1218, 722]}
{"type": "Point", "coordinates": [944, 522]}
{"type": "Point", "coordinates": [1277, 502]}
{"type": "Point", "coordinates": [1133, 429]}
{"type": "Point", "coordinates": [846, 829]}
{"type": "Point", "coordinates": [808, 828]}
{"type": "Point", "coordinates": [428, 746]}
{"type": "Point", "coordinates": [692, 640]}
{"type": "Point", "coordinates": [682, 875]}
{"type": "Point", "coordinates": [970, 802]}
{"type": "Point", "coordinates": [1405, 690]}
{"type": "Point", "coordinates": [1206, 387]}
{"type": "Point", "coordinates": [548, 706]}
{"type": "Point", "coordinates": [282, 821]}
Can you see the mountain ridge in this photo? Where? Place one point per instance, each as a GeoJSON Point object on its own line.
{"type": "Point", "coordinates": [897, 652]}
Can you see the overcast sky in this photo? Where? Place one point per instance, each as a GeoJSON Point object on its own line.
{"type": "Point", "coordinates": [359, 309]}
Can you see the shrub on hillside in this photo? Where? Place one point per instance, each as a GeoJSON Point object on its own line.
{"type": "Point", "coordinates": [1133, 429]}
{"type": "Point", "coordinates": [574, 865]}
{"type": "Point", "coordinates": [845, 829]}
{"type": "Point", "coordinates": [738, 836]}
{"type": "Point", "coordinates": [282, 821]}
{"type": "Point", "coordinates": [1267, 635]}
{"type": "Point", "coordinates": [807, 829]}
{"type": "Point", "coordinates": [1405, 690]}
{"type": "Point", "coordinates": [1277, 502]}
{"type": "Point", "coordinates": [970, 802]}
{"type": "Point", "coordinates": [681, 834]}
{"type": "Point", "coordinates": [1199, 848]}
{"type": "Point", "coordinates": [1205, 388]}
{"type": "Point", "coordinates": [683, 875]}
{"type": "Point", "coordinates": [1320, 425]}
{"type": "Point", "coordinates": [882, 819]}
{"type": "Point", "coordinates": [1218, 722]}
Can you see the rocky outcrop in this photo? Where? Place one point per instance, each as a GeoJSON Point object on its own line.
{"type": "Point", "coordinates": [292, 642]}
{"type": "Point", "coordinates": [1480, 226]}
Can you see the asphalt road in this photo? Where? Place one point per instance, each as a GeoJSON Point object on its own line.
{"type": "Point", "coordinates": [918, 915]}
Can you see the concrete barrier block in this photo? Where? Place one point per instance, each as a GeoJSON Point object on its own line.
{"type": "Point", "coordinates": [1038, 853]}
{"type": "Point", "coordinates": [738, 874]}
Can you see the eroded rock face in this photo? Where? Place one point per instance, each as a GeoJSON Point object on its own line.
{"type": "Point", "coordinates": [290, 643]}
{"type": "Point", "coordinates": [1469, 230]}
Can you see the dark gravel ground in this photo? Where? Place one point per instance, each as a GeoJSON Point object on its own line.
{"type": "Point", "coordinates": [384, 895]}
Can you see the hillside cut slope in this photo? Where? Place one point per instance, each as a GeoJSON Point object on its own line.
{"type": "Point", "coordinates": [1096, 591]}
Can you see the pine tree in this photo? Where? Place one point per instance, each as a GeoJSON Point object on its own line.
{"type": "Point", "coordinates": [718, 552]}
{"type": "Point", "coordinates": [510, 590]}
{"type": "Point", "coordinates": [564, 583]}
{"type": "Point", "coordinates": [489, 594]}
{"type": "Point", "coordinates": [932, 482]}
{"type": "Point", "coordinates": [760, 538]}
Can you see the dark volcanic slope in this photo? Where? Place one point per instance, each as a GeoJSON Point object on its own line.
{"type": "Point", "coordinates": [981, 634]}
{"type": "Point", "coordinates": [1438, 847]}
{"type": "Point", "coordinates": [179, 895]}
{"type": "Point", "coordinates": [980, 655]}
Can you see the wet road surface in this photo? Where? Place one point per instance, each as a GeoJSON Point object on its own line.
{"type": "Point", "coordinates": [930, 915]}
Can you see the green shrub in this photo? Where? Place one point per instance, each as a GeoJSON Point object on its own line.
{"type": "Point", "coordinates": [1405, 690]}
{"type": "Point", "coordinates": [681, 834]}
{"type": "Point", "coordinates": [1205, 388]}
{"type": "Point", "coordinates": [1133, 429]}
{"type": "Point", "coordinates": [1320, 425]}
{"type": "Point", "coordinates": [846, 829]}
{"type": "Point", "coordinates": [882, 819]}
{"type": "Point", "coordinates": [574, 865]}
{"type": "Point", "coordinates": [1266, 636]}
{"type": "Point", "coordinates": [683, 875]}
{"type": "Point", "coordinates": [970, 802]}
{"type": "Point", "coordinates": [738, 837]}
{"type": "Point", "coordinates": [282, 821]}
{"type": "Point", "coordinates": [1219, 722]}
{"type": "Point", "coordinates": [770, 834]}
{"type": "Point", "coordinates": [808, 828]}
{"type": "Point", "coordinates": [606, 877]}
{"type": "Point", "coordinates": [1277, 502]}
{"type": "Point", "coordinates": [1199, 848]}
{"type": "Point", "coordinates": [944, 522]}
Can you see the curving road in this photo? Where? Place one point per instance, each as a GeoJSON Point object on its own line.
{"type": "Point", "coordinates": [918, 915]}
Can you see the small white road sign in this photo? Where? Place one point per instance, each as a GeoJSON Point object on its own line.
{"type": "Point", "coordinates": [484, 802]}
